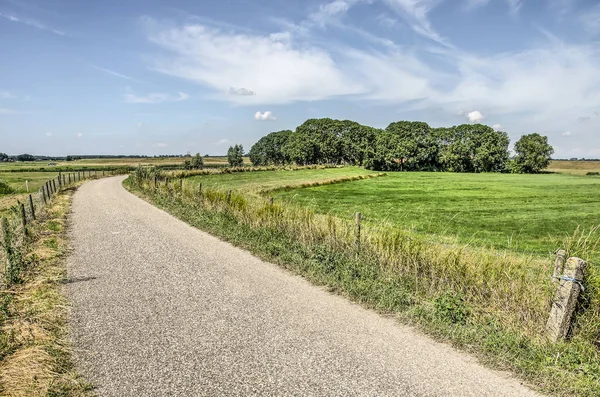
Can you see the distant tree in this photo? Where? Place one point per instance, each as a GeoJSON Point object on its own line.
{"type": "Point", "coordinates": [25, 157]}
{"type": "Point", "coordinates": [473, 148]}
{"type": "Point", "coordinates": [533, 153]}
{"type": "Point", "coordinates": [3, 157]}
{"type": "Point", "coordinates": [405, 146]}
{"type": "Point", "coordinates": [194, 162]}
{"type": "Point", "coordinates": [358, 141]}
{"type": "Point", "coordinates": [235, 155]}
{"type": "Point", "coordinates": [69, 158]}
{"type": "Point", "coordinates": [298, 149]}
{"type": "Point", "coordinates": [269, 149]}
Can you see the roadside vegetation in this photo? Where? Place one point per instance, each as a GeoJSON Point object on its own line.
{"type": "Point", "coordinates": [491, 302]}
{"type": "Point", "coordinates": [35, 359]}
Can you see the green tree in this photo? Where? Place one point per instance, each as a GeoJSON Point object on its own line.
{"type": "Point", "coordinates": [25, 157]}
{"type": "Point", "coordinates": [3, 157]}
{"type": "Point", "coordinates": [405, 146]}
{"type": "Point", "coordinates": [194, 163]}
{"type": "Point", "coordinates": [357, 141]}
{"type": "Point", "coordinates": [269, 149]}
{"type": "Point", "coordinates": [235, 155]}
{"type": "Point", "coordinates": [533, 153]}
{"type": "Point", "coordinates": [300, 150]}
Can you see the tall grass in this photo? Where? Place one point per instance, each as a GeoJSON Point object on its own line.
{"type": "Point", "coordinates": [497, 301]}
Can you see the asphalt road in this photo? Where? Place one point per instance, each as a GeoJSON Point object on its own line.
{"type": "Point", "coordinates": [162, 309]}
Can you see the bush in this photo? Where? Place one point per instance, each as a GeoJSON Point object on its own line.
{"type": "Point", "coordinates": [5, 188]}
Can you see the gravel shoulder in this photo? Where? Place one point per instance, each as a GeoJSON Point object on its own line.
{"type": "Point", "coordinates": [160, 308]}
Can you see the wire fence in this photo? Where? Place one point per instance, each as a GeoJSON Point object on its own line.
{"type": "Point", "coordinates": [16, 224]}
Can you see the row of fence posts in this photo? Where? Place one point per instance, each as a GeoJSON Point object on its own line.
{"type": "Point", "coordinates": [568, 278]}
{"type": "Point", "coordinates": [50, 188]}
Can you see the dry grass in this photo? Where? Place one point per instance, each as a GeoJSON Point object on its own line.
{"type": "Point", "coordinates": [37, 358]}
{"type": "Point", "coordinates": [576, 167]}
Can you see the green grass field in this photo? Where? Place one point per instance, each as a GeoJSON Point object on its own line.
{"type": "Point", "coordinates": [17, 181]}
{"type": "Point", "coordinates": [524, 213]}
{"type": "Point", "coordinates": [254, 182]}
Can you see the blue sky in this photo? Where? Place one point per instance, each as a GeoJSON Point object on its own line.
{"type": "Point", "coordinates": [153, 77]}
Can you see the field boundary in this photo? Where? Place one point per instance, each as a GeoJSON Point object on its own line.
{"type": "Point", "coordinates": [333, 181]}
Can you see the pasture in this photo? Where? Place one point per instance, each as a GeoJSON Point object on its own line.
{"type": "Point", "coordinates": [522, 213]}
{"type": "Point", "coordinates": [17, 182]}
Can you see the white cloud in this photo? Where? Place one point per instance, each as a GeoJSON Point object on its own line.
{"type": "Point", "coordinates": [277, 70]}
{"type": "Point", "coordinates": [415, 12]}
{"type": "Point", "coordinates": [80, 135]}
{"type": "Point", "coordinates": [140, 124]}
{"type": "Point", "coordinates": [49, 134]}
{"type": "Point", "coordinates": [5, 95]}
{"type": "Point", "coordinates": [475, 116]}
{"type": "Point", "coordinates": [160, 145]}
{"type": "Point", "coordinates": [566, 133]}
{"type": "Point", "coordinates": [264, 116]}
{"type": "Point", "coordinates": [241, 91]}
{"type": "Point", "coordinates": [223, 141]}
{"type": "Point", "coordinates": [386, 21]}
{"type": "Point", "coordinates": [113, 73]}
{"type": "Point", "coordinates": [497, 127]}
{"type": "Point", "coordinates": [155, 97]}
{"type": "Point", "coordinates": [32, 23]}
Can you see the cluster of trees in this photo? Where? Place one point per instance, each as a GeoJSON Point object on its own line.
{"type": "Point", "coordinates": [402, 146]}
{"type": "Point", "coordinates": [235, 155]}
{"type": "Point", "coordinates": [195, 162]}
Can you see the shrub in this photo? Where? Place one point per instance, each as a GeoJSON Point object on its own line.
{"type": "Point", "coordinates": [5, 188]}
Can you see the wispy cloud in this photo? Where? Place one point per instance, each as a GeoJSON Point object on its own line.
{"type": "Point", "coordinates": [473, 4]}
{"type": "Point", "coordinates": [415, 12]}
{"type": "Point", "coordinates": [155, 97]}
{"type": "Point", "coordinates": [32, 23]}
{"type": "Point", "coordinates": [590, 19]}
{"type": "Point", "coordinates": [514, 6]}
{"type": "Point", "coordinates": [8, 111]}
{"type": "Point", "coordinates": [241, 91]}
{"type": "Point", "coordinates": [6, 95]}
{"type": "Point", "coordinates": [113, 73]}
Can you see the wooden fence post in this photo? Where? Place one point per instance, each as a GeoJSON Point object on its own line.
{"type": "Point", "coordinates": [200, 189]}
{"type": "Point", "coordinates": [27, 185]}
{"type": "Point", "coordinates": [31, 207]}
{"type": "Point", "coordinates": [181, 185]}
{"type": "Point", "coordinates": [358, 218]}
{"type": "Point", "coordinates": [44, 195]}
{"type": "Point", "coordinates": [23, 216]}
{"type": "Point", "coordinates": [59, 181]}
{"type": "Point", "coordinates": [565, 301]}
{"type": "Point", "coordinates": [54, 185]}
{"type": "Point", "coordinates": [47, 184]}
{"type": "Point", "coordinates": [228, 197]}
{"type": "Point", "coordinates": [69, 178]}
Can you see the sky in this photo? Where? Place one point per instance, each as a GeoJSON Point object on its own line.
{"type": "Point", "coordinates": [170, 77]}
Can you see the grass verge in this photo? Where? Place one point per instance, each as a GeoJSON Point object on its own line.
{"type": "Point", "coordinates": [35, 359]}
{"type": "Point", "coordinates": [490, 304]}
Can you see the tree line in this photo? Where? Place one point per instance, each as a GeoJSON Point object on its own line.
{"type": "Point", "coordinates": [403, 146]}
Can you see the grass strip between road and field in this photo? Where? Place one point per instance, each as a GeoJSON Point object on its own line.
{"type": "Point", "coordinates": [488, 303]}
{"type": "Point", "coordinates": [35, 356]}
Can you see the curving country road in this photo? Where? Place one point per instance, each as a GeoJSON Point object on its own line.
{"type": "Point", "coordinates": [162, 309]}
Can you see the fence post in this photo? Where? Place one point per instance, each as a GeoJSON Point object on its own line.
{"type": "Point", "coordinates": [44, 195]}
{"type": "Point", "coordinates": [27, 185]}
{"type": "Point", "coordinates": [200, 189]}
{"type": "Point", "coordinates": [228, 197]}
{"type": "Point", "coordinates": [358, 218]}
{"type": "Point", "coordinates": [59, 181]}
{"type": "Point", "coordinates": [23, 216]}
{"type": "Point", "coordinates": [102, 172]}
{"type": "Point", "coordinates": [31, 207]}
{"type": "Point", "coordinates": [559, 265]}
{"type": "Point", "coordinates": [69, 178]}
{"type": "Point", "coordinates": [47, 190]}
{"type": "Point", "coordinates": [54, 185]}
{"type": "Point", "coordinates": [181, 185]}
{"type": "Point", "coordinates": [155, 182]}
{"type": "Point", "coordinates": [565, 300]}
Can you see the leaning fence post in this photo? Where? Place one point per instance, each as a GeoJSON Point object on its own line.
{"type": "Point", "coordinates": [44, 195]}
{"type": "Point", "coordinates": [54, 185]}
{"type": "Point", "coordinates": [31, 207]}
{"type": "Point", "coordinates": [59, 181]}
{"type": "Point", "coordinates": [358, 217]}
{"type": "Point", "coordinates": [559, 264]}
{"type": "Point", "coordinates": [565, 301]}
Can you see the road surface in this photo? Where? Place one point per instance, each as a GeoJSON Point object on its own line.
{"type": "Point", "coordinates": [162, 309]}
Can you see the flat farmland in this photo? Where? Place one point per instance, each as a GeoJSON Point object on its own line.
{"type": "Point", "coordinates": [18, 181]}
{"type": "Point", "coordinates": [526, 213]}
